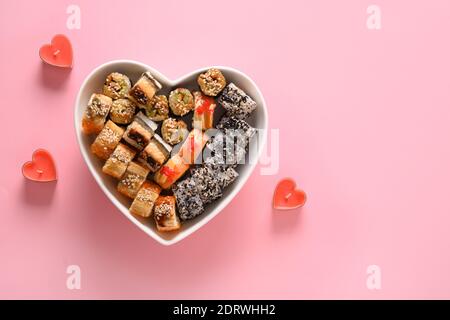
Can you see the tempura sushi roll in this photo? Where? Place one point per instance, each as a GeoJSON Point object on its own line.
{"type": "Point", "coordinates": [174, 131]}
{"type": "Point", "coordinates": [140, 131]}
{"type": "Point", "coordinates": [144, 89]}
{"type": "Point", "coordinates": [107, 140]}
{"type": "Point", "coordinates": [122, 111]}
{"type": "Point", "coordinates": [203, 112]}
{"type": "Point", "coordinates": [165, 215]}
{"type": "Point", "coordinates": [158, 108]}
{"type": "Point", "coordinates": [181, 101]}
{"type": "Point", "coordinates": [189, 203]}
{"type": "Point", "coordinates": [171, 171]}
{"type": "Point", "coordinates": [211, 82]}
{"type": "Point", "coordinates": [94, 116]}
{"type": "Point", "coordinates": [193, 145]}
{"type": "Point", "coordinates": [132, 180]}
{"type": "Point", "coordinates": [116, 85]}
{"type": "Point", "coordinates": [155, 154]}
{"type": "Point", "coordinates": [118, 162]}
{"type": "Point", "coordinates": [236, 102]}
{"type": "Point", "coordinates": [145, 199]}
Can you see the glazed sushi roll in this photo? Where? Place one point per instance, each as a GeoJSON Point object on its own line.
{"type": "Point", "coordinates": [236, 102]}
{"type": "Point", "coordinates": [165, 214]}
{"type": "Point", "coordinates": [117, 163]}
{"type": "Point", "coordinates": [155, 154]}
{"type": "Point", "coordinates": [158, 108]}
{"type": "Point", "coordinates": [122, 111]}
{"type": "Point", "coordinates": [107, 140]}
{"type": "Point", "coordinates": [144, 89]}
{"type": "Point", "coordinates": [145, 199]}
{"type": "Point", "coordinates": [132, 180]}
{"type": "Point", "coordinates": [181, 101]}
{"type": "Point", "coordinates": [116, 85]}
{"type": "Point", "coordinates": [242, 131]}
{"type": "Point", "coordinates": [171, 171]}
{"type": "Point", "coordinates": [193, 145]}
{"type": "Point", "coordinates": [203, 112]}
{"type": "Point", "coordinates": [211, 82]}
{"type": "Point", "coordinates": [94, 117]}
{"type": "Point", "coordinates": [189, 203]}
{"type": "Point", "coordinates": [140, 131]}
{"type": "Point", "coordinates": [174, 131]}
{"type": "Point", "coordinates": [206, 183]}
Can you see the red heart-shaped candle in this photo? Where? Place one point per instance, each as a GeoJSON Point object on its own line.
{"type": "Point", "coordinates": [41, 168]}
{"type": "Point", "coordinates": [58, 53]}
{"type": "Point", "coordinates": [287, 196]}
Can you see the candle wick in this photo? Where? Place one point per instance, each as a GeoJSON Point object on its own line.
{"type": "Point", "coordinates": [39, 171]}
{"type": "Point", "coordinates": [288, 196]}
{"type": "Point", "coordinates": [56, 52]}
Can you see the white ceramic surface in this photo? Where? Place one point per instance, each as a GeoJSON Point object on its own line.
{"type": "Point", "coordinates": [94, 82]}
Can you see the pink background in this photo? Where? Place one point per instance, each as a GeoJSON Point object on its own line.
{"type": "Point", "coordinates": [364, 125]}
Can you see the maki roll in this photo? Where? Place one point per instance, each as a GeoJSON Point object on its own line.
{"type": "Point", "coordinates": [174, 131]}
{"type": "Point", "coordinates": [211, 82]}
{"type": "Point", "coordinates": [132, 180]}
{"type": "Point", "coordinates": [181, 101]}
{"type": "Point", "coordinates": [107, 140]}
{"type": "Point", "coordinates": [236, 102]}
{"type": "Point", "coordinates": [206, 183]}
{"type": "Point", "coordinates": [193, 145]}
{"type": "Point", "coordinates": [145, 199]}
{"type": "Point", "coordinates": [122, 111]}
{"type": "Point", "coordinates": [240, 129]}
{"type": "Point", "coordinates": [118, 162]}
{"type": "Point", "coordinates": [204, 111]}
{"type": "Point", "coordinates": [140, 131]}
{"type": "Point", "coordinates": [165, 215]}
{"type": "Point", "coordinates": [144, 89]}
{"type": "Point", "coordinates": [189, 203]}
{"type": "Point", "coordinates": [170, 172]}
{"type": "Point", "coordinates": [222, 150]}
{"type": "Point", "coordinates": [94, 117]}
{"type": "Point", "coordinates": [116, 85]}
{"type": "Point", "coordinates": [158, 108]}
{"type": "Point", "coordinates": [155, 154]}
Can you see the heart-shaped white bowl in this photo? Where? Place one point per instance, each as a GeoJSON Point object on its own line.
{"type": "Point", "coordinates": [94, 83]}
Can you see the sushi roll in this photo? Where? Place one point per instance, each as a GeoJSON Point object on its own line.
{"type": "Point", "coordinates": [144, 89]}
{"type": "Point", "coordinates": [206, 183]}
{"type": "Point", "coordinates": [174, 131]}
{"type": "Point", "coordinates": [122, 111]}
{"type": "Point", "coordinates": [145, 199]}
{"type": "Point", "coordinates": [132, 180]}
{"type": "Point", "coordinates": [193, 145]}
{"type": "Point", "coordinates": [171, 171]}
{"type": "Point", "coordinates": [211, 82]}
{"type": "Point", "coordinates": [222, 150]}
{"type": "Point", "coordinates": [94, 117]}
{"type": "Point", "coordinates": [238, 128]}
{"type": "Point", "coordinates": [236, 102]}
{"type": "Point", "coordinates": [116, 85]}
{"type": "Point", "coordinates": [225, 175]}
{"type": "Point", "coordinates": [181, 101]}
{"type": "Point", "coordinates": [165, 215]}
{"type": "Point", "coordinates": [140, 131]}
{"type": "Point", "coordinates": [118, 162]}
{"type": "Point", "coordinates": [203, 112]}
{"type": "Point", "coordinates": [158, 108]}
{"type": "Point", "coordinates": [155, 154]}
{"type": "Point", "coordinates": [189, 203]}
{"type": "Point", "coordinates": [107, 140]}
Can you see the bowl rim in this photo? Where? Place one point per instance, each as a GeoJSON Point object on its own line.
{"type": "Point", "coordinates": [216, 210]}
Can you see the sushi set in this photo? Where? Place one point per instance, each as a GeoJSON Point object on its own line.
{"type": "Point", "coordinates": [170, 186]}
{"type": "Point", "coordinates": [171, 154]}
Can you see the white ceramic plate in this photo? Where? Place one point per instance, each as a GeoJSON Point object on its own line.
{"type": "Point", "coordinates": [94, 82]}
